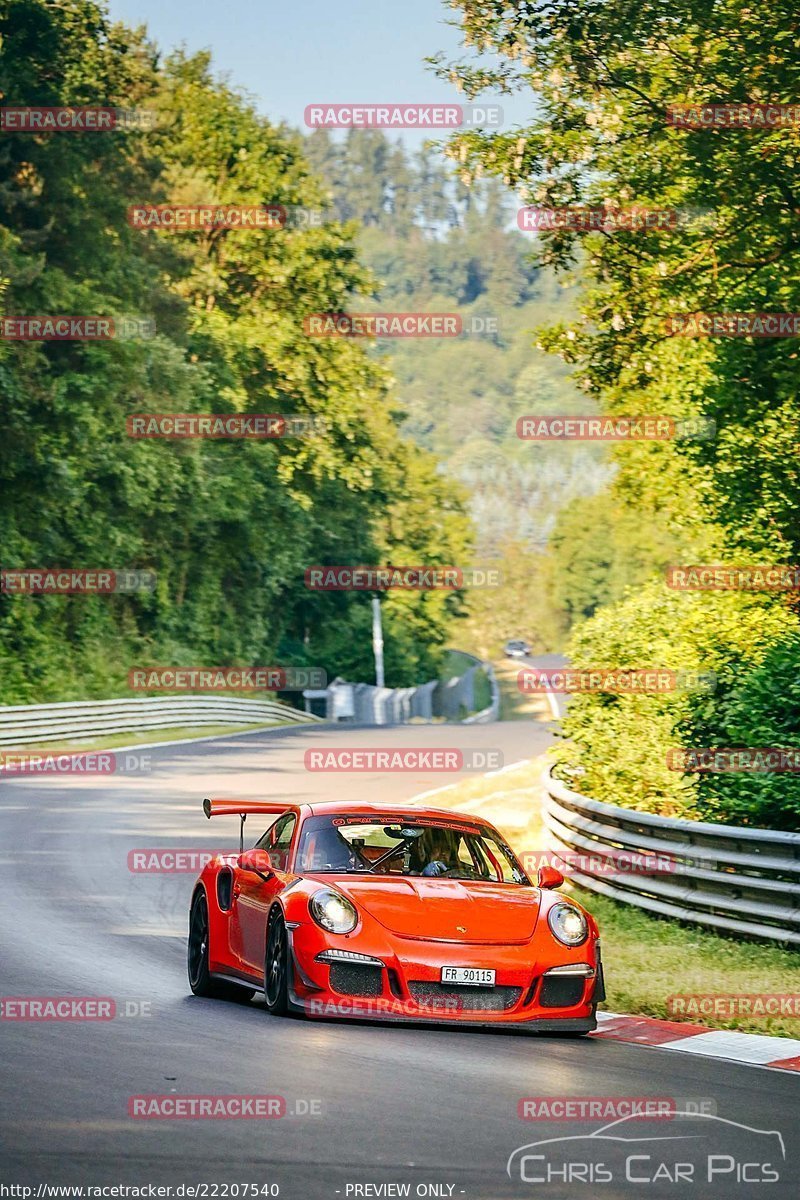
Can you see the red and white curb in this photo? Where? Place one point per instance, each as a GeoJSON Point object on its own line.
{"type": "Point", "coordinates": [755, 1049]}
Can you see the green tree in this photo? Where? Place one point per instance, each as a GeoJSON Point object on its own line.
{"type": "Point", "coordinates": [228, 527]}
{"type": "Point", "coordinates": [604, 76]}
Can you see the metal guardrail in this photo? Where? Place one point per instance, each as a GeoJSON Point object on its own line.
{"type": "Point", "coordinates": [22, 725]}
{"type": "Point", "coordinates": [390, 706]}
{"type": "Point", "coordinates": [27, 724]}
{"type": "Point", "coordinates": [735, 880]}
{"type": "Point", "coordinates": [492, 712]}
{"type": "Point", "coordinates": [448, 700]}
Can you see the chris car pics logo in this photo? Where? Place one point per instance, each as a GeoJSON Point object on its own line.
{"type": "Point", "coordinates": [702, 1149]}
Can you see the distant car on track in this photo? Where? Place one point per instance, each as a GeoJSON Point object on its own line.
{"type": "Point", "coordinates": [516, 648]}
{"type": "Point", "coordinates": [393, 913]}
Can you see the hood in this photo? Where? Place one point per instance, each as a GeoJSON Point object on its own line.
{"type": "Point", "coordinates": [433, 909]}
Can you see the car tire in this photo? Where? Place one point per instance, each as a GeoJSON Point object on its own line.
{"type": "Point", "coordinates": [276, 966]}
{"type": "Point", "coordinates": [201, 980]}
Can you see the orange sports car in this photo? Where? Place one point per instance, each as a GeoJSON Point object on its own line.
{"type": "Point", "coordinates": [391, 912]}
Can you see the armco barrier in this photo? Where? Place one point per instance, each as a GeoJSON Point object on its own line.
{"type": "Point", "coordinates": [446, 700]}
{"type": "Point", "coordinates": [492, 712]}
{"type": "Point", "coordinates": [735, 880]}
{"type": "Point", "coordinates": [25, 724]}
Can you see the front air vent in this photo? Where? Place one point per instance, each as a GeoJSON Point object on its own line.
{"type": "Point", "coordinates": [561, 991]}
{"type": "Point", "coordinates": [454, 999]}
{"type": "Point", "coordinates": [351, 979]}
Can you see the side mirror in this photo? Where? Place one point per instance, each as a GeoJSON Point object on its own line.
{"type": "Point", "coordinates": [257, 861]}
{"type": "Point", "coordinates": [549, 877]}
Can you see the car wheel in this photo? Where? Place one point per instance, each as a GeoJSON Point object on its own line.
{"type": "Point", "coordinates": [200, 979]}
{"type": "Point", "coordinates": [276, 967]}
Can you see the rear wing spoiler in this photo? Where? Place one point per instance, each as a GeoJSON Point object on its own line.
{"type": "Point", "coordinates": [240, 809]}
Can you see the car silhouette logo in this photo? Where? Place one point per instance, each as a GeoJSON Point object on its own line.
{"type": "Point", "coordinates": [622, 1134]}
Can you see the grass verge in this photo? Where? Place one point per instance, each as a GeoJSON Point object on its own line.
{"type": "Point", "coordinates": [649, 959]}
{"type": "Point", "coordinates": [514, 704]}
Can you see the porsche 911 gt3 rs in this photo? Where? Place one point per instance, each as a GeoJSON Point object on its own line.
{"type": "Point", "coordinates": [391, 912]}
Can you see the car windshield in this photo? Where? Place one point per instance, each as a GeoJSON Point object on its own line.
{"type": "Point", "coordinates": [392, 845]}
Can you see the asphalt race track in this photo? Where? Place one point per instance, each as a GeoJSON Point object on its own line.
{"type": "Point", "coordinates": [367, 1104]}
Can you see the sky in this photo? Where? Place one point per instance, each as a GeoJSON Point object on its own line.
{"type": "Point", "coordinates": [292, 54]}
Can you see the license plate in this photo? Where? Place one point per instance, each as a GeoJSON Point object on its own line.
{"type": "Point", "coordinates": [475, 976]}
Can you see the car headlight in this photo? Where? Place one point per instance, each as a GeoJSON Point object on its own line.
{"type": "Point", "coordinates": [568, 925]}
{"type": "Point", "coordinates": [333, 911]}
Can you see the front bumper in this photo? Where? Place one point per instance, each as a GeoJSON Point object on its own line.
{"type": "Point", "coordinates": [403, 983]}
{"type": "Point", "coordinates": [337, 1009]}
